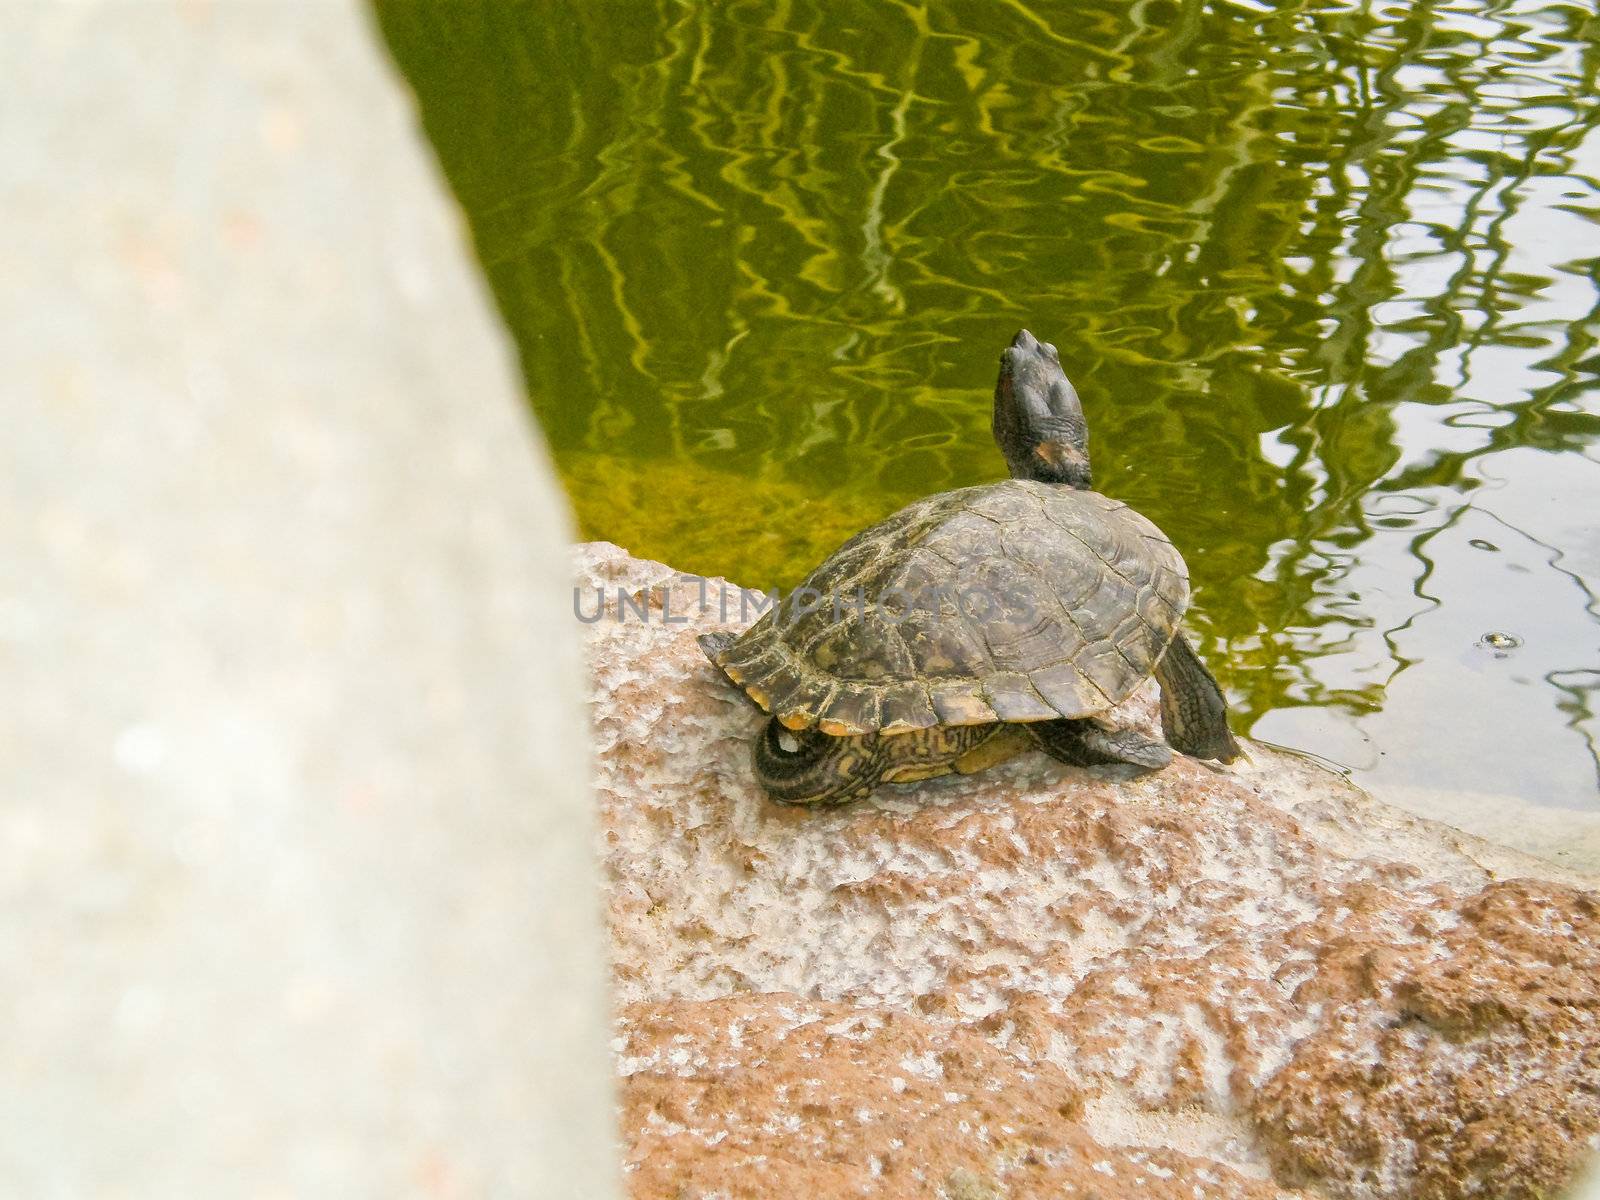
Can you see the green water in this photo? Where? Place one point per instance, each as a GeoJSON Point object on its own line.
{"type": "Point", "coordinates": [1324, 274]}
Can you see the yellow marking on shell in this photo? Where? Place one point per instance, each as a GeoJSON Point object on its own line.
{"type": "Point", "coordinates": [760, 698]}
{"type": "Point", "coordinates": [836, 728]}
{"type": "Point", "coordinates": [897, 728]}
{"type": "Point", "coordinates": [793, 720]}
{"type": "Point", "coordinates": [731, 672]}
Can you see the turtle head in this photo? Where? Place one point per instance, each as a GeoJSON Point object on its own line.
{"type": "Point", "coordinates": [1038, 421]}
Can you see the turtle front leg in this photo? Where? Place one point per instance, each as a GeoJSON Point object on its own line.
{"type": "Point", "coordinates": [1090, 742]}
{"type": "Point", "coordinates": [1194, 716]}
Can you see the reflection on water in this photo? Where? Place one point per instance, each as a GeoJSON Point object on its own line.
{"type": "Point", "coordinates": [1324, 274]}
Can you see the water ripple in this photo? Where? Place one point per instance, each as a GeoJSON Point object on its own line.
{"type": "Point", "coordinates": [1324, 273]}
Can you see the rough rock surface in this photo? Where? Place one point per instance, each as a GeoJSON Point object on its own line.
{"type": "Point", "coordinates": [1044, 981]}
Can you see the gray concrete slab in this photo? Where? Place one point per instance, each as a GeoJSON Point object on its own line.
{"type": "Point", "coordinates": [296, 886]}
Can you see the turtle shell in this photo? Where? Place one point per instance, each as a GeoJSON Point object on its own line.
{"type": "Point", "coordinates": [1013, 601]}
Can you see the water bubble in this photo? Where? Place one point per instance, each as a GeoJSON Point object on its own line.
{"type": "Point", "coordinates": [1499, 644]}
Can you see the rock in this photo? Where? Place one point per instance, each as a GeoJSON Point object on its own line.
{"type": "Point", "coordinates": [1043, 981]}
{"type": "Point", "coordinates": [295, 848]}
{"type": "Point", "coordinates": [779, 1096]}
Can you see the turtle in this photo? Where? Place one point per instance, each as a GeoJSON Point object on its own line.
{"type": "Point", "coordinates": [978, 623]}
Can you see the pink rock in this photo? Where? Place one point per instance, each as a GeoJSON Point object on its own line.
{"type": "Point", "coordinates": [1046, 981]}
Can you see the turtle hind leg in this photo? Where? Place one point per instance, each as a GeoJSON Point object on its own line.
{"type": "Point", "coordinates": [806, 767]}
{"type": "Point", "coordinates": [1088, 742]}
{"type": "Point", "coordinates": [1194, 716]}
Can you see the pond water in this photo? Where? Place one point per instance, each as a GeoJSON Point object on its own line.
{"type": "Point", "coordinates": [1325, 276]}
